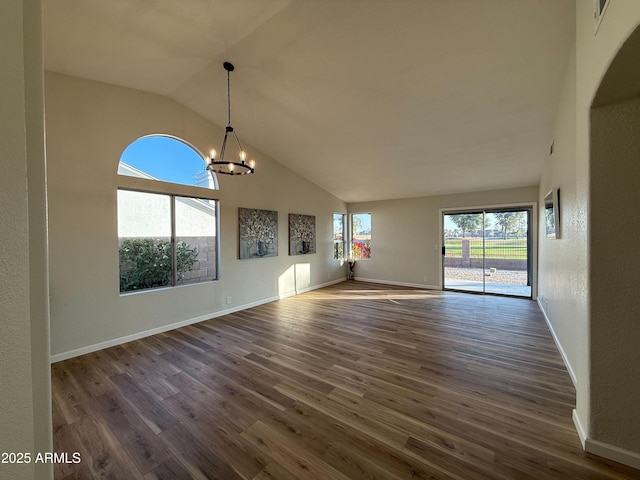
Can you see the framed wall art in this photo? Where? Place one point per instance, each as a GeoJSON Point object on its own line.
{"type": "Point", "coordinates": [552, 213]}
{"type": "Point", "coordinates": [302, 234]}
{"type": "Point", "coordinates": [258, 233]}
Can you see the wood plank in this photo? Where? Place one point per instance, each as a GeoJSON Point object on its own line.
{"type": "Point", "coordinates": [169, 470]}
{"type": "Point", "coordinates": [359, 420]}
{"type": "Point", "coordinates": [274, 471]}
{"type": "Point", "coordinates": [137, 438]}
{"type": "Point", "coordinates": [355, 465]}
{"type": "Point", "coordinates": [195, 456]}
{"type": "Point", "coordinates": [151, 411]}
{"type": "Point", "coordinates": [68, 396]}
{"type": "Point", "coordinates": [219, 433]}
{"type": "Point", "coordinates": [79, 473]}
{"type": "Point", "coordinates": [289, 455]}
{"type": "Point", "coordinates": [101, 451]}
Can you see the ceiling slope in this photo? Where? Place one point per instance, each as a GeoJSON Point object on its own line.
{"type": "Point", "coordinates": [369, 99]}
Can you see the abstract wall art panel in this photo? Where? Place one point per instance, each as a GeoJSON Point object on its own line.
{"type": "Point", "coordinates": [258, 233]}
{"type": "Point", "coordinates": [302, 234]}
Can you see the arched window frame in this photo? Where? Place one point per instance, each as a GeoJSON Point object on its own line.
{"type": "Point", "coordinates": [145, 183]}
{"type": "Point", "coordinates": [212, 179]}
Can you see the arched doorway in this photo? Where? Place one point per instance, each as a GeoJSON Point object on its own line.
{"type": "Point", "coordinates": [614, 255]}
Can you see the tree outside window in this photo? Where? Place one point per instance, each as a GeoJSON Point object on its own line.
{"type": "Point", "coordinates": [338, 236]}
{"type": "Point", "coordinates": [158, 249]}
{"type": "Point", "coordinates": [361, 235]}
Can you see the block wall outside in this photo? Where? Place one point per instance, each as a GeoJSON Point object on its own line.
{"type": "Point", "coordinates": [205, 268]}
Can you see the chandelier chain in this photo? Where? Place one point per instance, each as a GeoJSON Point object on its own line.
{"type": "Point", "coordinates": [228, 99]}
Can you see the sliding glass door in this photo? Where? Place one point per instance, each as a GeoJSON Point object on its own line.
{"type": "Point", "coordinates": [488, 251]}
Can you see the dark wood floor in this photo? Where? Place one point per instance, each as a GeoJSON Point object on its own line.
{"type": "Point", "coordinates": [354, 381]}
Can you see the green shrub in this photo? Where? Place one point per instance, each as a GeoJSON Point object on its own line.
{"type": "Point", "coordinates": [146, 263]}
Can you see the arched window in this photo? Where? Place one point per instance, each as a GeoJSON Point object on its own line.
{"type": "Point", "coordinates": [166, 159]}
{"type": "Point", "coordinates": [165, 239]}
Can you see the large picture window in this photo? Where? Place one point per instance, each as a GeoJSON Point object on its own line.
{"type": "Point", "coordinates": [361, 235]}
{"type": "Point", "coordinates": [165, 240]}
{"type": "Point", "coordinates": [339, 239]}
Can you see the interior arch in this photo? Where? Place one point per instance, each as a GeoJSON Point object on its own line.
{"type": "Point", "coordinates": [613, 258]}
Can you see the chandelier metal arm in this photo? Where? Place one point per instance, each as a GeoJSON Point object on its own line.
{"type": "Point", "coordinates": [224, 146]}
{"type": "Point", "coordinates": [237, 141]}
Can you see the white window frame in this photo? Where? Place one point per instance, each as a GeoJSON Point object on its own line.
{"type": "Point", "coordinates": [344, 236]}
{"type": "Point", "coordinates": [352, 233]}
{"type": "Point", "coordinates": [174, 238]}
{"type": "Point", "coordinates": [148, 184]}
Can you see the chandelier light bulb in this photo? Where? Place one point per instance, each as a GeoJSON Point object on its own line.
{"type": "Point", "coordinates": [243, 155]}
{"type": "Point", "coordinates": [212, 154]}
{"type": "Point", "coordinates": [231, 167]}
{"type": "Point", "coordinates": [252, 163]}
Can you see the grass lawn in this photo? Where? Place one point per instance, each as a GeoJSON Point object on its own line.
{"type": "Point", "coordinates": [510, 248]}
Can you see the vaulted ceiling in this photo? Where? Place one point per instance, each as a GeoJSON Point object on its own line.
{"type": "Point", "coordinates": [369, 99]}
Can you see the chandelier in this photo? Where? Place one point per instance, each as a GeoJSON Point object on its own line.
{"type": "Point", "coordinates": [222, 166]}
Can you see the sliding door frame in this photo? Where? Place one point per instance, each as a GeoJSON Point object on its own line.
{"type": "Point", "coordinates": [533, 226]}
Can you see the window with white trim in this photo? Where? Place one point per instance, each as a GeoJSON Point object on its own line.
{"type": "Point", "coordinates": [360, 236]}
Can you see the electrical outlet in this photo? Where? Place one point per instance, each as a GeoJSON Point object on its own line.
{"type": "Point", "coordinates": [228, 299]}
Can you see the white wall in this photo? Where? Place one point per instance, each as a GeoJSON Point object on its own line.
{"type": "Point", "coordinates": [89, 124]}
{"type": "Point", "coordinates": [615, 265]}
{"type": "Point", "coordinates": [579, 314]}
{"type": "Point", "coordinates": [594, 52]}
{"type": "Point", "coordinates": [143, 214]}
{"type": "Point", "coordinates": [405, 233]}
{"type": "Point", "coordinates": [25, 393]}
{"type": "Point", "coordinates": [561, 262]}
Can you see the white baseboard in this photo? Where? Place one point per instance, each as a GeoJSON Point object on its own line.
{"type": "Point", "coordinates": [183, 323]}
{"type": "Point", "coordinates": [626, 457]}
{"type": "Point", "coordinates": [582, 434]}
{"type": "Point", "coordinates": [602, 449]}
{"type": "Point", "coordinates": [565, 359]}
{"type": "Point", "coordinates": [322, 285]}
{"type": "Point", "coordinates": [399, 284]}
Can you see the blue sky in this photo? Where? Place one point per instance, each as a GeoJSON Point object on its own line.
{"type": "Point", "coordinates": [164, 158]}
{"type": "Point", "coordinates": [366, 222]}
